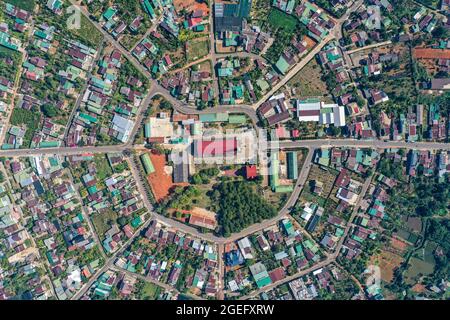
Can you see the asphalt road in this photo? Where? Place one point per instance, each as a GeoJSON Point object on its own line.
{"type": "Point", "coordinates": [376, 144]}
{"type": "Point", "coordinates": [323, 143]}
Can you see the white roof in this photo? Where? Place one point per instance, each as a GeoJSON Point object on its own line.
{"type": "Point", "coordinates": [160, 127]}
{"type": "Point", "coordinates": [339, 116]}
{"type": "Point", "coordinates": [308, 105]}
{"type": "Point", "coordinates": [123, 126]}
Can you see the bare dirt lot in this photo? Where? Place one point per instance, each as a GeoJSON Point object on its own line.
{"type": "Point", "coordinates": [308, 83]}
{"type": "Point", "coordinates": [190, 5]}
{"type": "Point", "coordinates": [160, 181]}
{"type": "Point", "coordinates": [388, 262]}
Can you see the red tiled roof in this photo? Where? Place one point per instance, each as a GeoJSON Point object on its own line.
{"type": "Point", "coordinates": [216, 147]}
{"type": "Point", "coordinates": [250, 172]}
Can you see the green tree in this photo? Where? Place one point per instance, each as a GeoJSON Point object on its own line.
{"type": "Point", "coordinates": [49, 110]}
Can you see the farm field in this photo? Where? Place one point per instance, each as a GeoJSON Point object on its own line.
{"type": "Point", "coordinates": [421, 264]}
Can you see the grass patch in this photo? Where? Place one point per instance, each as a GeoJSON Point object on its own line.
{"type": "Point", "coordinates": [283, 27]}
{"type": "Point", "coordinates": [422, 263]}
{"type": "Point", "coordinates": [27, 5]}
{"type": "Point", "coordinates": [276, 199]}
{"type": "Point", "coordinates": [104, 170]}
{"type": "Point", "coordinates": [30, 119]}
{"type": "Point", "coordinates": [203, 201]}
{"type": "Point", "coordinates": [150, 291]}
{"type": "Point", "coordinates": [197, 50]}
{"type": "Point", "coordinates": [88, 32]}
{"type": "Point", "coordinates": [103, 221]}
{"type": "Point", "coordinates": [280, 20]}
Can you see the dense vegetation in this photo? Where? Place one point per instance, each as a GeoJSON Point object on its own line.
{"type": "Point", "coordinates": [9, 70]}
{"type": "Point", "coordinates": [428, 197]}
{"type": "Point", "coordinates": [430, 3]}
{"type": "Point", "coordinates": [239, 206]}
{"type": "Point", "coordinates": [204, 176]}
{"type": "Point", "coordinates": [181, 199]}
{"type": "Point", "coordinates": [390, 169]}
{"type": "Point", "coordinates": [439, 232]}
{"type": "Point", "coordinates": [29, 118]}
{"type": "Point", "coordinates": [25, 5]}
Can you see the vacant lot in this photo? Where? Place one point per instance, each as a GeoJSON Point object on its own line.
{"type": "Point", "coordinates": [149, 291]}
{"type": "Point", "coordinates": [88, 33]}
{"type": "Point", "coordinates": [308, 83]}
{"type": "Point", "coordinates": [327, 177]}
{"type": "Point", "coordinates": [204, 66]}
{"type": "Point", "coordinates": [197, 50]}
{"type": "Point", "coordinates": [316, 173]}
{"type": "Point", "coordinates": [278, 19]}
{"type": "Point", "coordinates": [103, 221]}
{"type": "Point", "coordinates": [160, 181]}
{"type": "Point", "coordinates": [388, 262]}
{"type": "Point", "coordinates": [102, 166]}
{"type": "Point", "coordinates": [191, 5]}
{"type": "Point", "coordinates": [276, 199]}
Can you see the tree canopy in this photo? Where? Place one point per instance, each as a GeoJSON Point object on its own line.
{"type": "Point", "coordinates": [239, 206]}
